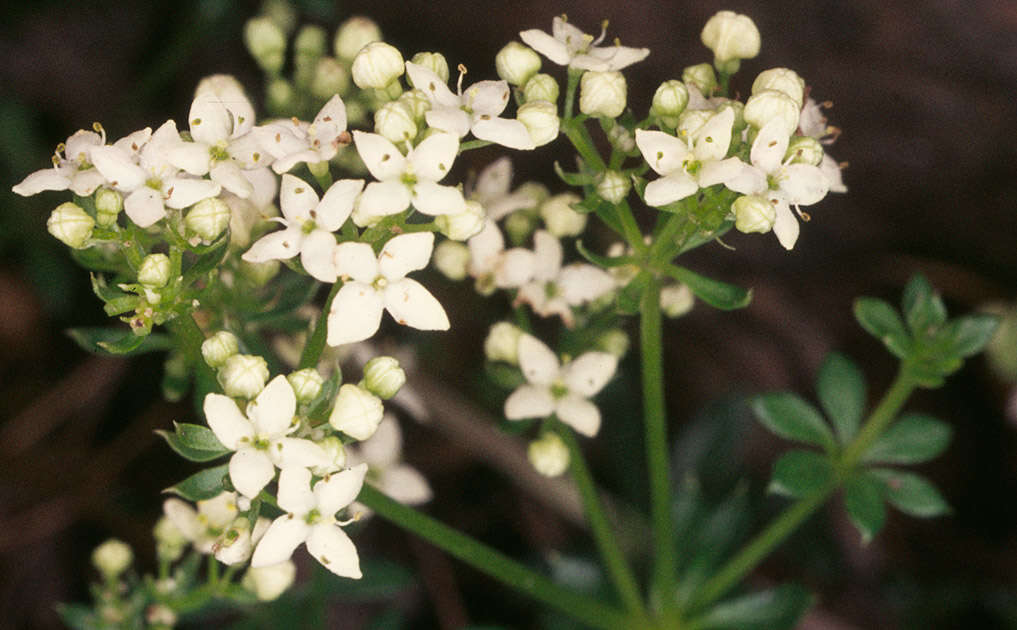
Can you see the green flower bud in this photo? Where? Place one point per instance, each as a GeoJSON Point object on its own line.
{"type": "Point", "coordinates": [383, 377]}
{"type": "Point", "coordinates": [243, 376]}
{"type": "Point", "coordinates": [170, 542]}
{"type": "Point", "coordinates": [502, 343]}
{"type": "Point", "coordinates": [549, 455]}
{"type": "Point", "coordinates": [621, 139]}
{"type": "Point", "coordinates": [279, 95]}
{"type": "Point", "coordinates": [395, 122]}
{"type": "Point", "coordinates": [783, 80]}
{"type": "Point", "coordinates": [260, 273]}
{"type": "Point", "coordinates": [702, 77]}
{"type": "Point", "coordinates": [767, 105]}
{"type": "Point", "coordinates": [354, 34]}
{"type": "Point", "coordinates": [112, 558]}
{"type": "Point", "coordinates": [357, 412]}
{"type": "Point", "coordinates": [208, 218]}
{"type": "Point", "coordinates": [268, 583]}
{"type": "Point", "coordinates": [612, 186]}
{"type": "Point", "coordinates": [452, 258]}
{"type": "Point", "coordinates": [516, 63]}
{"type": "Point", "coordinates": [330, 78]}
{"type": "Point", "coordinates": [108, 204]}
{"type": "Point", "coordinates": [602, 94]}
{"type": "Point", "coordinates": [71, 225]}
{"type": "Point", "coordinates": [311, 41]}
{"type": "Point", "coordinates": [462, 225]}
{"type": "Point", "coordinates": [417, 103]}
{"type": "Point", "coordinates": [377, 65]}
{"type": "Point", "coordinates": [731, 37]}
{"type": "Point", "coordinates": [282, 13]}
{"type": "Point", "coordinates": [753, 214]}
{"type": "Point", "coordinates": [219, 347]}
{"type": "Point", "coordinates": [541, 87]}
{"type": "Point", "coordinates": [541, 119]}
{"type": "Point", "coordinates": [614, 341]}
{"type": "Point", "coordinates": [306, 384]}
{"type": "Point", "coordinates": [266, 42]}
{"type": "Point", "coordinates": [435, 62]}
{"type": "Point", "coordinates": [559, 217]}
{"type": "Point", "coordinates": [535, 192]}
{"type": "Point", "coordinates": [154, 271]}
{"type": "Point", "coordinates": [336, 452]}
{"type": "Point", "coordinates": [804, 150]}
{"type": "Point", "coordinates": [676, 300]}
{"type": "Point", "coordinates": [519, 226]}
{"type": "Point", "coordinates": [669, 101]}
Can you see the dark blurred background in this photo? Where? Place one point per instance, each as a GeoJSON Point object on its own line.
{"type": "Point", "coordinates": [925, 94]}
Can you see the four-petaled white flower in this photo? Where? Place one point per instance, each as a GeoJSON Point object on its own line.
{"type": "Point", "coordinates": [492, 191]}
{"type": "Point", "coordinates": [377, 284]}
{"type": "Point", "coordinates": [402, 179]}
{"type": "Point", "coordinates": [152, 182]}
{"type": "Point", "coordinates": [688, 165]}
{"type": "Point", "coordinates": [784, 184]}
{"type": "Point", "coordinates": [310, 519]}
{"type": "Point", "coordinates": [561, 390]}
{"type": "Point", "coordinates": [205, 526]}
{"type": "Point", "coordinates": [259, 439]}
{"type": "Point", "coordinates": [569, 46]}
{"type": "Point", "coordinates": [475, 110]}
{"type": "Point", "coordinates": [309, 225]}
{"type": "Point", "coordinates": [292, 142]}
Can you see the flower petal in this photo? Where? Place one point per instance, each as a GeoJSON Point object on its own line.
{"type": "Point", "coordinates": [669, 189]}
{"type": "Point", "coordinates": [405, 253]}
{"type": "Point", "coordinates": [580, 414]}
{"type": "Point", "coordinates": [337, 204]}
{"type": "Point", "coordinates": [284, 535]}
{"type": "Point", "coordinates": [226, 421]}
{"type": "Point", "coordinates": [412, 305]}
{"type": "Point", "coordinates": [579, 283]}
{"type": "Point", "coordinates": [117, 167]}
{"type": "Point", "coordinates": [384, 448]}
{"type": "Point", "coordinates": [380, 156]}
{"type": "Point", "coordinates": [290, 452]}
{"type": "Point", "coordinates": [331, 119]}
{"type": "Point", "coordinates": [357, 261]}
{"type": "Point", "coordinates": [250, 471]}
{"type": "Point", "coordinates": [144, 206]}
{"type": "Point", "coordinates": [432, 158]}
{"type": "Point", "coordinates": [487, 97]}
{"type": "Point", "coordinates": [295, 494]}
{"type": "Point", "coordinates": [529, 401]}
{"type": "Point", "coordinates": [769, 147]}
{"type": "Point", "coordinates": [539, 364]}
{"type": "Point", "coordinates": [786, 225]}
{"type": "Point", "coordinates": [316, 255]}
{"type": "Point", "coordinates": [209, 120]}
{"type": "Point", "coordinates": [355, 315]}
{"type": "Point", "coordinates": [804, 184]}
{"type": "Point", "coordinates": [231, 177]}
{"type": "Point", "coordinates": [452, 120]}
{"type": "Point", "coordinates": [271, 411]}
{"type": "Point", "coordinates": [433, 199]}
{"type": "Point", "coordinates": [382, 199]}
{"type": "Point", "coordinates": [546, 45]}
{"type": "Point", "coordinates": [338, 490]}
{"type": "Point", "coordinates": [662, 151]}
{"type": "Point", "coordinates": [405, 484]}
{"type": "Point", "coordinates": [296, 199]}
{"type": "Point", "coordinates": [588, 374]}
{"type": "Point", "coordinates": [721, 172]}
{"type": "Point", "coordinates": [714, 137]}
{"type": "Point", "coordinates": [281, 245]}
{"type": "Point", "coordinates": [515, 268]}
{"type": "Point", "coordinates": [192, 157]}
{"type": "Point", "coordinates": [41, 180]}
{"type": "Point", "coordinates": [494, 181]}
{"type": "Point", "coordinates": [425, 80]}
{"type": "Point", "coordinates": [183, 517]}
{"type": "Point", "coordinates": [548, 254]}
{"type": "Point", "coordinates": [181, 192]}
{"type": "Point", "coordinates": [508, 133]}
{"type": "Point", "coordinates": [330, 545]}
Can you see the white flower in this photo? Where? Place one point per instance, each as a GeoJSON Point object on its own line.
{"type": "Point", "coordinates": [151, 181]}
{"type": "Point", "coordinates": [292, 142]}
{"type": "Point", "coordinates": [357, 412]}
{"type": "Point", "coordinates": [311, 519]}
{"type": "Point", "coordinates": [731, 36]}
{"type": "Point", "coordinates": [493, 266]}
{"type": "Point", "coordinates": [203, 527]}
{"type": "Point", "coordinates": [413, 178]}
{"type": "Point", "coordinates": [259, 439]}
{"type": "Point", "coordinates": [569, 46]}
{"type": "Point", "coordinates": [378, 283]}
{"type": "Point", "coordinates": [492, 191]}
{"type": "Point", "coordinates": [73, 170]}
{"type": "Point", "coordinates": [688, 165]}
{"type": "Point", "coordinates": [383, 454]}
{"type": "Point", "coordinates": [309, 224]}
{"type": "Point", "coordinates": [561, 390]}
{"type": "Point", "coordinates": [476, 110]}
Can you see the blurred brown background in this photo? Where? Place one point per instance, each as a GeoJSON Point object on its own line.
{"type": "Point", "coordinates": [925, 94]}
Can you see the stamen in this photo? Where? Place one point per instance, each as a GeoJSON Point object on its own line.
{"type": "Point", "coordinates": [459, 84]}
{"type": "Point", "coordinates": [99, 129]}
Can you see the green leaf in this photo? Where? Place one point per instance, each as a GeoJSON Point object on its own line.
{"type": "Point", "coordinates": [863, 498]}
{"type": "Point", "coordinates": [319, 408]}
{"type": "Point", "coordinates": [630, 298]}
{"type": "Point", "coordinates": [912, 494]}
{"type": "Point", "coordinates": [968, 335]}
{"type": "Point", "coordinates": [577, 180]}
{"type": "Point", "coordinates": [77, 616]}
{"type": "Point", "coordinates": [799, 474]}
{"type": "Point", "coordinates": [922, 306]}
{"type": "Point", "coordinates": [882, 322]}
{"type": "Point", "coordinates": [208, 259]}
{"type": "Point", "coordinates": [776, 609]}
{"type": "Point", "coordinates": [504, 375]}
{"type": "Point", "coordinates": [118, 341]}
{"type": "Point", "coordinates": [202, 485]}
{"type": "Point", "coordinates": [602, 261]}
{"type": "Point", "coordinates": [842, 394]}
{"type": "Point", "coordinates": [194, 442]}
{"type": "Point", "coordinates": [792, 418]}
{"type": "Point", "coordinates": [714, 292]}
{"type": "Point", "coordinates": [913, 439]}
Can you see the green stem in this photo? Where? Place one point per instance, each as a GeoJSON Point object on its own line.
{"type": "Point", "coordinates": [614, 560]}
{"type": "Point", "coordinates": [570, 93]}
{"type": "Point", "coordinates": [579, 135]}
{"type": "Point", "coordinates": [659, 466]}
{"type": "Point", "coordinates": [316, 342]}
{"type": "Point", "coordinates": [185, 329]}
{"type": "Point", "coordinates": [781, 527]}
{"type": "Point", "coordinates": [494, 563]}
{"type": "Point", "coordinates": [628, 222]}
{"type": "Point", "coordinates": [473, 144]}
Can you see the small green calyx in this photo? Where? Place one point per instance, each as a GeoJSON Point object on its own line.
{"type": "Point", "coordinates": [313, 516]}
{"type": "Point", "coordinates": [154, 184]}
{"type": "Point", "coordinates": [559, 391]}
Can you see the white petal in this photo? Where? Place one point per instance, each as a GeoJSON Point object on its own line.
{"type": "Point", "coordinates": [425, 80]}
{"type": "Point", "coordinates": [183, 517]}
{"type": "Point", "coordinates": [770, 146]}
{"type": "Point", "coordinates": [786, 225]}
{"type": "Point", "coordinates": [357, 261]}
{"type": "Point", "coordinates": [452, 120]}
{"type": "Point", "coordinates": [250, 471]}
{"type": "Point", "coordinates": [295, 494]}
{"type": "Point", "coordinates": [192, 157]}
{"type": "Point", "coordinates": [316, 255]}
{"type": "Point", "coordinates": [271, 412]}
{"type": "Point", "coordinates": [581, 283]}
{"type": "Point", "coordinates": [485, 247]}
{"type": "Point", "coordinates": [117, 167]}
{"type": "Point", "coordinates": [144, 206]}
{"type": "Point", "coordinates": [529, 401]}
{"type": "Point", "coordinates": [609, 58]}
{"type": "Point", "coordinates": [226, 421]}
{"type": "Point", "coordinates": [747, 180]}
{"type": "Point", "coordinates": [494, 181]}
{"type": "Point", "coordinates": [669, 189]}
{"type": "Point", "coordinates": [338, 490]}
{"type": "Point", "coordinates": [334, 550]}
{"type": "Point", "coordinates": [515, 268]}
{"type": "Point", "coordinates": [208, 119]}
{"type": "Point", "coordinates": [804, 184]}
{"type": "Point", "coordinates": [588, 374]}
{"type": "Point", "coordinates": [281, 138]}
{"type": "Point", "coordinates": [337, 204]}
{"type": "Point", "coordinates": [663, 152]}
{"type": "Point", "coordinates": [546, 45]}
{"type": "Point", "coordinates": [433, 199]}
{"type": "Point", "coordinates": [432, 158]}
{"type": "Point", "coordinates": [405, 253]}
{"type": "Point", "coordinates": [383, 198]}
{"type": "Point", "coordinates": [548, 255]}
{"type": "Point", "coordinates": [331, 119]}
{"type": "Point", "coordinates": [248, 152]}
{"type": "Point", "coordinates": [508, 133]}
{"type": "Point", "coordinates": [285, 163]}
{"type": "Point", "coordinates": [281, 245]}
{"type": "Point", "coordinates": [37, 182]}
{"type": "Point", "coordinates": [721, 172]}
{"type": "Point", "coordinates": [229, 175]}
{"type": "Point", "coordinates": [384, 448]}
{"type": "Point", "coordinates": [355, 315]}
{"type": "Point", "coordinates": [406, 485]}
{"type": "Point", "coordinates": [84, 183]}
{"type": "Point", "coordinates": [539, 364]}
{"type": "Point", "coordinates": [380, 156]}
{"type": "Point", "coordinates": [284, 535]}
{"type": "Point", "coordinates": [412, 305]}
{"type": "Point", "coordinates": [287, 453]}
{"type": "Point", "coordinates": [132, 143]}
{"type": "Point", "coordinates": [714, 138]}
{"type": "Point", "coordinates": [580, 414]}
{"type": "Point", "coordinates": [234, 551]}
{"type": "Point", "coordinates": [487, 97]}
{"type": "Point", "coordinates": [296, 199]}
{"type": "Point", "coordinates": [181, 193]}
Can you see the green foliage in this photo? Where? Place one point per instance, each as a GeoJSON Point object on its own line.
{"type": "Point", "coordinates": [842, 394]}
{"type": "Point", "coordinates": [913, 439]}
{"type": "Point", "coordinates": [863, 499]}
{"type": "Point", "coordinates": [717, 294]}
{"type": "Point", "coordinates": [800, 474]}
{"type": "Point", "coordinates": [775, 609]}
{"type": "Point", "coordinates": [792, 418]}
{"type": "Point", "coordinates": [194, 442]}
{"type": "Point", "coordinates": [203, 485]}
{"type": "Point", "coordinates": [911, 493]}
{"type": "Point", "coordinates": [112, 341]}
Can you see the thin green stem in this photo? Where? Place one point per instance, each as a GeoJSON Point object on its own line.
{"type": "Point", "coordinates": [473, 144]}
{"type": "Point", "coordinates": [579, 135]}
{"type": "Point", "coordinates": [628, 222]}
{"type": "Point", "coordinates": [659, 466]}
{"type": "Point", "coordinates": [483, 558]}
{"type": "Point", "coordinates": [570, 93]}
{"type": "Point", "coordinates": [614, 560]}
{"type": "Point", "coordinates": [316, 342]}
{"type": "Point", "coordinates": [880, 419]}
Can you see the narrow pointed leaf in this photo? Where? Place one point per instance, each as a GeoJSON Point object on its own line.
{"type": "Point", "coordinates": [800, 474]}
{"type": "Point", "coordinates": [884, 323]}
{"type": "Point", "coordinates": [202, 485]}
{"type": "Point", "coordinates": [913, 439]}
{"type": "Point", "coordinates": [842, 394]}
{"type": "Point", "coordinates": [912, 494]}
{"type": "Point", "coordinates": [968, 335]}
{"type": "Point", "coordinates": [118, 341]}
{"type": "Point", "coordinates": [714, 292]}
{"type": "Point", "coordinates": [602, 261]}
{"type": "Point", "coordinates": [194, 442]}
{"type": "Point", "coordinates": [776, 609]}
{"type": "Point", "coordinates": [922, 307]}
{"type": "Point", "coordinates": [792, 418]}
{"type": "Point", "coordinates": [572, 179]}
{"type": "Point", "coordinates": [863, 498]}
{"type": "Point", "coordinates": [631, 296]}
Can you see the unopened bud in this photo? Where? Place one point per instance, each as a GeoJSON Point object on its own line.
{"type": "Point", "coordinates": [676, 300]}
{"type": "Point", "coordinates": [613, 186]}
{"type": "Point", "coordinates": [395, 122]}
{"type": "Point", "coordinates": [614, 341]}
{"type": "Point", "coordinates": [516, 63]}
{"type": "Point", "coordinates": [219, 347]}
{"type": "Point", "coordinates": [71, 225]}
{"type": "Point", "coordinates": [416, 102]}
{"type": "Point", "coordinates": [243, 376]}
{"type": "Point", "coordinates": [266, 42]}
{"type": "Point", "coordinates": [336, 453]}
{"type": "Point", "coordinates": [112, 558]}
{"type": "Point", "coordinates": [559, 217]}
{"type": "Point", "coordinates": [541, 87]}
{"type": "Point", "coordinates": [170, 542]}
{"type": "Point", "coordinates": [804, 150]}
{"type": "Point", "coordinates": [519, 226]}
{"type": "Point", "coordinates": [732, 37]}
{"type": "Point", "coordinates": [602, 94]}
{"type": "Point", "coordinates": [330, 78]}
{"type": "Point", "coordinates": [159, 616]}
{"type": "Point", "coordinates": [462, 225]}
{"type": "Point", "coordinates": [435, 62]}
{"type": "Point", "coordinates": [279, 95]}
{"type": "Point", "coordinates": [702, 77]}
{"type": "Point", "coordinates": [311, 42]}
{"type": "Point", "coordinates": [208, 218]}
{"type": "Point", "coordinates": [540, 119]}
{"type": "Point", "coordinates": [306, 384]}
{"type": "Point", "coordinates": [669, 101]}
{"type": "Point", "coordinates": [260, 273]}
{"type": "Point", "coordinates": [383, 377]}
{"type": "Point", "coordinates": [108, 204]}
{"type": "Point", "coordinates": [377, 65]}
{"type": "Point", "coordinates": [154, 271]}
{"type": "Point", "coordinates": [549, 455]}
{"type": "Point", "coordinates": [621, 138]}
{"type": "Point", "coordinates": [354, 34]}
{"type": "Point", "coordinates": [783, 80]}
{"type": "Point", "coordinates": [268, 583]}
{"type": "Point", "coordinates": [502, 343]}
{"type": "Point", "coordinates": [767, 105]}
{"type": "Point", "coordinates": [357, 412]}
{"type": "Point", "coordinates": [753, 214]}
{"type": "Point", "coordinates": [452, 258]}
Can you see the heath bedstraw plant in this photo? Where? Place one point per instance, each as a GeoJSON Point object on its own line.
{"type": "Point", "coordinates": [193, 268]}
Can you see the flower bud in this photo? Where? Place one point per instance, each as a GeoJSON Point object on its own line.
{"type": "Point", "coordinates": [452, 258]}
{"type": "Point", "coordinates": [559, 217]}
{"type": "Point", "coordinates": [804, 150]}
{"type": "Point", "coordinates": [208, 218]}
{"type": "Point", "coordinates": [516, 63]}
{"type": "Point", "coordinates": [602, 94]}
{"type": "Point", "coordinates": [71, 225]}
{"type": "Point", "coordinates": [395, 122]}
{"type": "Point", "coordinates": [435, 62]}
{"type": "Point", "coordinates": [502, 343]}
{"type": "Point", "coordinates": [676, 300]}
{"type": "Point", "coordinates": [669, 101]}
{"type": "Point", "coordinates": [541, 119]}
{"type": "Point", "coordinates": [266, 42]}
{"type": "Point", "coordinates": [336, 452]}
{"type": "Point", "coordinates": [154, 271]}
{"type": "Point", "coordinates": [753, 214]}
{"type": "Point", "coordinates": [330, 78]}
{"type": "Point", "coordinates": [170, 542]}
{"type": "Point", "coordinates": [541, 87]}
{"type": "Point", "coordinates": [160, 617]}
{"type": "Point", "coordinates": [766, 105]}
{"type": "Point", "coordinates": [614, 341]}
{"type": "Point", "coordinates": [357, 412]}
{"type": "Point", "coordinates": [783, 80]}
{"type": "Point", "coordinates": [377, 65]}
{"type": "Point", "coordinates": [234, 545]}
{"type": "Point", "coordinates": [108, 204]}
{"type": "Point", "coordinates": [621, 139]}
{"type": "Point", "coordinates": [549, 455]}
{"type": "Point", "coordinates": [612, 186]}
{"type": "Point", "coordinates": [462, 225]}
{"type": "Point", "coordinates": [702, 77]}
{"type": "Point", "coordinates": [219, 347]}
{"type": "Point", "coordinates": [310, 42]}
{"type": "Point", "coordinates": [416, 102]}
{"type": "Point", "coordinates": [692, 121]}
{"type": "Point", "coordinates": [282, 12]}
{"type": "Point", "coordinates": [731, 37]}
{"type": "Point", "coordinates": [279, 95]}
{"type": "Point", "coordinates": [259, 273]}
{"type": "Point", "coordinates": [383, 377]}
{"type": "Point", "coordinates": [519, 226]}
{"type": "Point", "coordinates": [306, 384]}
{"type": "Point", "coordinates": [268, 583]}
{"type": "Point", "coordinates": [243, 376]}
{"type": "Point", "coordinates": [112, 558]}
{"type": "Point", "coordinates": [354, 34]}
